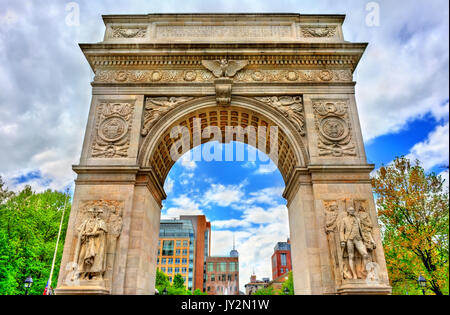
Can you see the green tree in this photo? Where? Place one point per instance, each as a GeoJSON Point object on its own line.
{"type": "Point", "coordinates": [265, 291]}
{"type": "Point", "coordinates": [414, 211]}
{"type": "Point", "coordinates": [178, 282]}
{"type": "Point", "coordinates": [199, 292]}
{"type": "Point", "coordinates": [29, 224]}
{"type": "Point", "coordinates": [289, 284]}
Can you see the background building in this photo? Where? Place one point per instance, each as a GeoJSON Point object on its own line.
{"type": "Point", "coordinates": [281, 259]}
{"type": "Point", "coordinates": [202, 235]}
{"type": "Point", "coordinates": [176, 250]}
{"type": "Point", "coordinates": [255, 285]}
{"type": "Point", "coordinates": [222, 275]}
{"type": "Point", "coordinates": [183, 247]}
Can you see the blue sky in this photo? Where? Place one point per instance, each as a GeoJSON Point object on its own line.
{"type": "Point", "coordinates": [402, 93]}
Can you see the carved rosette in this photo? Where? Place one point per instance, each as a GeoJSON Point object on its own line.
{"type": "Point", "coordinates": [367, 271]}
{"type": "Point", "coordinates": [334, 129]}
{"type": "Point", "coordinates": [112, 131]}
{"type": "Point", "coordinates": [291, 107]}
{"type": "Point", "coordinates": [205, 76]}
{"type": "Point", "coordinates": [157, 107]}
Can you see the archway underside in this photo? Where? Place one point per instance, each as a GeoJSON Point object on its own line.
{"type": "Point", "coordinates": [161, 160]}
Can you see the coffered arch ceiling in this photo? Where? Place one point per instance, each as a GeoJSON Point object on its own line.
{"type": "Point", "coordinates": [243, 112]}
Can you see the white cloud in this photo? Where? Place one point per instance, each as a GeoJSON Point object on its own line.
{"type": "Point", "coordinates": [182, 205]}
{"type": "Point", "coordinates": [434, 151]}
{"type": "Point", "coordinates": [223, 196]}
{"type": "Point", "coordinates": [168, 186]}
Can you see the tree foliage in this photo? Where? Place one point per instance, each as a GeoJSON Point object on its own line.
{"type": "Point", "coordinates": [414, 212]}
{"type": "Point", "coordinates": [288, 284]}
{"type": "Point", "coordinates": [29, 224]}
{"type": "Point", "coordinates": [176, 288]}
{"type": "Point", "coordinates": [265, 291]}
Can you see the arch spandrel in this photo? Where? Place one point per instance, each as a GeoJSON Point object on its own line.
{"type": "Point", "coordinates": [243, 112]}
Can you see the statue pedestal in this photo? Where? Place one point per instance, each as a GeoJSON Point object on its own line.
{"type": "Point", "coordinates": [362, 287]}
{"type": "Point", "coordinates": [84, 288]}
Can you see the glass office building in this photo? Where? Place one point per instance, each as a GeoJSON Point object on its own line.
{"type": "Point", "coordinates": [176, 250]}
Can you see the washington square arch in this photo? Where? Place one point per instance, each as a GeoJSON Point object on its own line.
{"type": "Point", "coordinates": [160, 71]}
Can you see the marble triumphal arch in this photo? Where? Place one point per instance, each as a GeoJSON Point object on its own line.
{"type": "Point", "coordinates": [154, 72]}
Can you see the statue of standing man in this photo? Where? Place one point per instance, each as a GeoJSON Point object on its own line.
{"type": "Point", "coordinates": [352, 238]}
{"type": "Point", "coordinates": [91, 248]}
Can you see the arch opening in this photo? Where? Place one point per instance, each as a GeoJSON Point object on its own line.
{"type": "Point", "coordinates": [243, 202]}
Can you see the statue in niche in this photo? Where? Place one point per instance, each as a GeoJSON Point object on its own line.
{"type": "Point", "coordinates": [366, 228]}
{"type": "Point", "coordinates": [353, 241]}
{"type": "Point", "coordinates": [90, 252]}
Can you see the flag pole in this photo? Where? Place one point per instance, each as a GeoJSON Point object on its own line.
{"type": "Point", "coordinates": [49, 282]}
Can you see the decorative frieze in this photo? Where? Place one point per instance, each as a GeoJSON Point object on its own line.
{"type": "Point", "coordinates": [157, 107]}
{"type": "Point", "coordinates": [333, 128]}
{"type": "Point", "coordinates": [112, 131]}
{"type": "Point", "coordinates": [291, 107]}
{"type": "Point", "coordinates": [205, 76]}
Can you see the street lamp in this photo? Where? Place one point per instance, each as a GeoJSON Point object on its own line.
{"type": "Point", "coordinates": [422, 283]}
{"type": "Point", "coordinates": [165, 291]}
{"type": "Point", "coordinates": [27, 284]}
{"type": "Point", "coordinates": [286, 291]}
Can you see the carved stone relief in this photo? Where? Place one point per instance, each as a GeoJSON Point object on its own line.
{"type": "Point", "coordinates": [291, 107]}
{"type": "Point", "coordinates": [112, 131]}
{"type": "Point", "coordinates": [156, 107]}
{"type": "Point", "coordinates": [318, 31]}
{"type": "Point", "coordinates": [334, 129]}
{"type": "Point", "coordinates": [99, 224]}
{"type": "Point", "coordinates": [349, 233]}
{"type": "Point", "coordinates": [205, 76]}
{"type": "Point", "coordinates": [128, 32]}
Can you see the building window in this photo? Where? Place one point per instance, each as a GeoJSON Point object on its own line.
{"type": "Point", "coordinates": [157, 261]}
{"type": "Point", "coordinates": [178, 252]}
{"type": "Point", "coordinates": [164, 261]}
{"type": "Point", "coordinates": [168, 248]}
{"type": "Point", "coordinates": [229, 277]}
{"type": "Point", "coordinates": [185, 252]}
{"type": "Point", "coordinates": [178, 243]}
{"type": "Point", "coordinates": [170, 261]}
{"type": "Point", "coordinates": [177, 261]}
{"type": "Point", "coordinates": [281, 270]}
{"type": "Point", "coordinates": [170, 270]}
{"type": "Point", "coordinates": [210, 267]}
{"type": "Point", "coordinates": [184, 261]}
{"type": "Point", "coordinates": [222, 266]}
{"type": "Point", "coordinates": [170, 279]}
{"type": "Point", "coordinates": [185, 243]}
{"type": "Point", "coordinates": [236, 277]}
{"type": "Point", "coordinates": [163, 270]}
{"type": "Point", "coordinates": [213, 277]}
{"type": "Point", "coordinates": [184, 270]}
{"type": "Point", "coordinates": [283, 260]}
{"type": "Point", "coordinates": [177, 270]}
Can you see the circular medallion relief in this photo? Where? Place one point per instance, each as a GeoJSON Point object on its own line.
{"type": "Point", "coordinates": [334, 129]}
{"type": "Point", "coordinates": [112, 129]}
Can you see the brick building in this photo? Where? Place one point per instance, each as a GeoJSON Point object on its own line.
{"type": "Point", "coordinates": [281, 259]}
{"type": "Point", "coordinates": [222, 275]}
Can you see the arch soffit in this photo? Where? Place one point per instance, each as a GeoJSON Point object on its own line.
{"type": "Point", "coordinates": [160, 128]}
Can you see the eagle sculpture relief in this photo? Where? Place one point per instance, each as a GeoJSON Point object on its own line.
{"type": "Point", "coordinates": [224, 68]}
